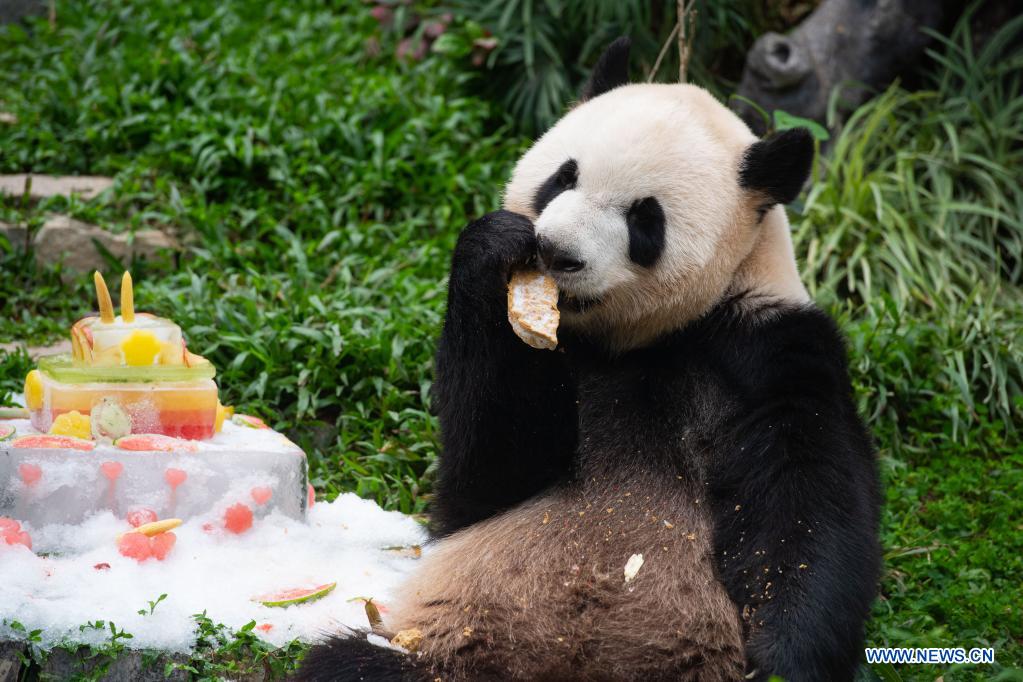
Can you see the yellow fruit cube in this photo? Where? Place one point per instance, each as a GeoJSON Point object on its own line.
{"type": "Point", "coordinates": [74, 424]}
{"type": "Point", "coordinates": [34, 390]}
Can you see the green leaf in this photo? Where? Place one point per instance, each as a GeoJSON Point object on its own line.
{"type": "Point", "coordinates": [786, 121]}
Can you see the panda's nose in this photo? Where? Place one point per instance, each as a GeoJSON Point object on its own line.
{"type": "Point", "coordinates": [557, 259]}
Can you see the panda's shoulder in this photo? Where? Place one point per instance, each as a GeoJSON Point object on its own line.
{"type": "Point", "coordinates": [778, 344]}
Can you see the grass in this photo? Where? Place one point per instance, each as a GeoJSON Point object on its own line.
{"type": "Point", "coordinates": [318, 184]}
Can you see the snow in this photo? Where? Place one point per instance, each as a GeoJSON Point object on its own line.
{"type": "Point", "coordinates": [57, 589]}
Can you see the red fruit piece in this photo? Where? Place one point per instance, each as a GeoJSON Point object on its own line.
{"type": "Point", "coordinates": [111, 470]}
{"type": "Point", "coordinates": [265, 627]}
{"type": "Point", "coordinates": [238, 518]}
{"type": "Point", "coordinates": [30, 473]}
{"type": "Point", "coordinates": [12, 534]}
{"type": "Point", "coordinates": [18, 538]}
{"type": "Point", "coordinates": [311, 494]}
{"type": "Point", "coordinates": [137, 517]}
{"type": "Point", "coordinates": [174, 477]}
{"type": "Point", "coordinates": [135, 546]}
{"type": "Point", "coordinates": [154, 442]}
{"type": "Point", "coordinates": [262, 494]}
{"type": "Point", "coordinates": [104, 566]}
{"type": "Point", "coordinates": [162, 544]}
{"type": "Point", "coordinates": [50, 442]}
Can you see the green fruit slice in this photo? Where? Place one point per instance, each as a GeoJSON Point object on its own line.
{"type": "Point", "coordinates": [6, 431]}
{"type": "Point", "coordinates": [62, 368]}
{"type": "Point", "coordinates": [14, 413]}
{"type": "Point", "coordinates": [52, 442]}
{"type": "Point", "coordinates": [299, 595]}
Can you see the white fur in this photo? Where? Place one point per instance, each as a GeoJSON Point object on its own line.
{"type": "Point", "coordinates": [679, 145]}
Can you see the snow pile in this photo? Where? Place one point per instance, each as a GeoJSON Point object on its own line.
{"type": "Point", "coordinates": [65, 583]}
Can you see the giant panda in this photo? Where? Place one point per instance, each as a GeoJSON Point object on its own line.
{"type": "Point", "coordinates": [697, 413]}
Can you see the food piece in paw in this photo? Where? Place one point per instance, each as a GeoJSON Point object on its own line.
{"type": "Point", "coordinates": [533, 308]}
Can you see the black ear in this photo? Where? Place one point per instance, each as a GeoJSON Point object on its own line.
{"type": "Point", "coordinates": [778, 165]}
{"type": "Point", "coordinates": [612, 70]}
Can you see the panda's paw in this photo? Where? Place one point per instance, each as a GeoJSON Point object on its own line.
{"type": "Point", "coordinates": [494, 246]}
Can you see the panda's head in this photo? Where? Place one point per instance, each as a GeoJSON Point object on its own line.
{"type": "Point", "coordinates": [652, 202]}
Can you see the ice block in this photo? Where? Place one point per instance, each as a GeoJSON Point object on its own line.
{"type": "Point", "coordinates": [138, 362]}
{"type": "Point", "coordinates": [60, 480]}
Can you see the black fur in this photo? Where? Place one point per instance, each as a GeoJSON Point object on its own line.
{"type": "Point", "coordinates": [507, 411]}
{"type": "Point", "coordinates": [777, 166]}
{"type": "Point", "coordinates": [354, 659]}
{"type": "Point", "coordinates": [562, 179]}
{"type": "Point", "coordinates": [646, 231]}
{"type": "Point", "coordinates": [759, 412]}
{"type": "Point", "coordinates": [611, 71]}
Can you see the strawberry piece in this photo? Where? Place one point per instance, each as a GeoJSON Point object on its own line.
{"type": "Point", "coordinates": [112, 470]}
{"type": "Point", "coordinates": [137, 517]}
{"type": "Point", "coordinates": [30, 473]}
{"type": "Point", "coordinates": [238, 518]}
{"type": "Point", "coordinates": [135, 546]}
{"type": "Point", "coordinates": [162, 544]}
{"type": "Point", "coordinates": [262, 494]}
{"type": "Point", "coordinates": [174, 477]}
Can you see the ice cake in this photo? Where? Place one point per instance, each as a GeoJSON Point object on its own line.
{"type": "Point", "coordinates": [130, 422]}
{"type": "Point", "coordinates": [136, 367]}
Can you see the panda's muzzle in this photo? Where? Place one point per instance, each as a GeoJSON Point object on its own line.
{"type": "Point", "coordinates": [556, 259]}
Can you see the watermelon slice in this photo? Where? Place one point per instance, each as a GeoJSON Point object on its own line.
{"type": "Point", "coordinates": [52, 442]}
{"type": "Point", "coordinates": [6, 431]}
{"type": "Point", "coordinates": [249, 421]}
{"type": "Point", "coordinates": [299, 595]}
{"type": "Point", "coordinates": [154, 442]}
{"type": "Point", "coordinates": [14, 413]}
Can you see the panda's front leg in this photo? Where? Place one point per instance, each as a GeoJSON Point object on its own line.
{"type": "Point", "coordinates": [796, 515]}
{"type": "Point", "coordinates": [507, 411]}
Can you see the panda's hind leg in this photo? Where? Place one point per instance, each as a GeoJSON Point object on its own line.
{"type": "Point", "coordinates": [538, 593]}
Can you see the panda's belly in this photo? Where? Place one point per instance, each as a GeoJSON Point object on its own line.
{"type": "Point", "coordinates": [540, 592]}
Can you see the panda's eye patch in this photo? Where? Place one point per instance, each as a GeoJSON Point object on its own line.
{"type": "Point", "coordinates": [645, 219]}
{"type": "Point", "coordinates": [564, 178]}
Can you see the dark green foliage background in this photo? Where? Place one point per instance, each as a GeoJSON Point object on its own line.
{"type": "Point", "coordinates": [318, 185]}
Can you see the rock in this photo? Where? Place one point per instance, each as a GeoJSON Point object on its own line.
{"type": "Point", "coordinates": [129, 666]}
{"type": "Point", "coordinates": [15, 234]}
{"type": "Point", "coordinates": [10, 661]}
{"type": "Point", "coordinates": [14, 10]}
{"type": "Point", "coordinates": [36, 352]}
{"type": "Point", "coordinates": [64, 238]}
{"type": "Point", "coordinates": [842, 43]}
{"type": "Point", "coordinates": [45, 186]}
{"type": "Point", "coordinates": [8, 118]}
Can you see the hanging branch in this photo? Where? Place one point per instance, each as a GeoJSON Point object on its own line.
{"type": "Point", "coordinates": [686, 14]}
{"type": "Point", "coordinates": [660, 55]}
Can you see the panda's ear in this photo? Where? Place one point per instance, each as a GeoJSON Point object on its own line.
{"type": "Point", "coordinates": [778, 165]}
{"type": "Point", "coordinates": [612, 70]}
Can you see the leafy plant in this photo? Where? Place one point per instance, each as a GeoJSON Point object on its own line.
{"type": "Point", "coordinates": [543, 49]}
